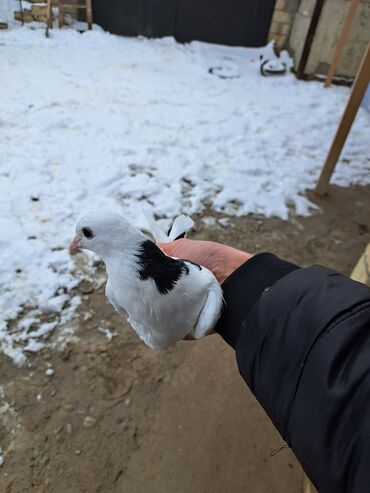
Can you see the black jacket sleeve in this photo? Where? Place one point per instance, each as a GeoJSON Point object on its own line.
{"type": "Point", "coordinates": [302, 342]}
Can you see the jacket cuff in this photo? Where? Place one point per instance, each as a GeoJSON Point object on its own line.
{"type": "Point", "coordinates": [243, 288]}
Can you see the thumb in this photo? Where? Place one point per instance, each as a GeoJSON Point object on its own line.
{"type": "Point", "coordinates": [165, 247]}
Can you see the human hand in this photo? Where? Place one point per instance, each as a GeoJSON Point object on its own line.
{"type": "Point", "coordinates": [222, 260]}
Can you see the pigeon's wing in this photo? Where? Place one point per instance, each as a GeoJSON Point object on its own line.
{"type": "Point", "coordinates": [210, 312]}
{"type": "Point", "coordinates": [110, 295]}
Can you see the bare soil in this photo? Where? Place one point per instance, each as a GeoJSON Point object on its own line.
{"type": "Point", "coordinates": [117, 417]}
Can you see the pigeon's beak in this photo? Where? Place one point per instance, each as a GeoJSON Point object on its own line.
{"type": "Point", "coordinates": [75, 245]}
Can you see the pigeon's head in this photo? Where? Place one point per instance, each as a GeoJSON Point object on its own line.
{"type": "Point", "coordinates": [105, 233]}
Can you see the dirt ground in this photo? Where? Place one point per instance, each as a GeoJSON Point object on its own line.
{"type": "Point", "coordinates": [116, 417]}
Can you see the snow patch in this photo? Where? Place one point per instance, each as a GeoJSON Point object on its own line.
{"type": "Point", "coordinates": [97, 121]}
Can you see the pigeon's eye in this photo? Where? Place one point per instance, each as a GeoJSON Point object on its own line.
{"type": "Point", "coordinates": [87, 233]}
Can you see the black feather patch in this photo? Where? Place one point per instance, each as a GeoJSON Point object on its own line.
{"type": "Point", "coordinates": [192, 263]}
{"type": "Point", "coordinates": [154, 264]}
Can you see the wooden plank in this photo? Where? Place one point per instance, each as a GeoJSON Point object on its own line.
{"type": "Point", "coordinates": [353, 104]}
{"type": "Point", "coordinates": [361, 272]}
{"type": "Point", "coordinates": [307, 486]}
{"type": "Point", "coordinates": [341, 41]}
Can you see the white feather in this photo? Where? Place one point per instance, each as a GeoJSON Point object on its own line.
{"type": "Point", "coordinates": [154, 228]}
{"type": "Point", "coordinates": [181, 225]}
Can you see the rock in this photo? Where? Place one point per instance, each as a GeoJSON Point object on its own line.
{"type": "Point", "coordinates": [89, 422]}
{"type": "Point", "coordinates": [3, 25]}
{"type": "Point", "coordinates": [53, 392]}
{"type": "Point", "coordinates": [37, 10]}
{"type": "Point", "coordinates": [58, 430]}
{"type": "Point", "coordinates": [49, 372]}
{"type": "Point", "coordinates": [78, 452]}
{"type": "Point", "coordinates": [66, 355]}
{"type": "Point", "coordinates": [68, 428]}
{"type": "Point", "coordinates": [68, 407]}
{"type": "Point", "coordinates": [108, 324]}
{"type": "Point", "coordinates": [87, 316]}
{"type": "Point", "coordinates": [85, 287]}
{"type": "Point", "coordinates": [26, 17]}
{"type": "Point", "coordinates": [127, 402]}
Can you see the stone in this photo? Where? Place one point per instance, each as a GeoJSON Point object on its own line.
{"type": "Point", "coordinates": [68, 428]}
{"type": "Point", "coordinates": [68, 407]}
{"type": "Point", "coordinates": [285, 28]}
{"type": "Point", "coordinates": [3, 25]}
{"type": "Point", "coordinates": [87, 316]}
{"type": "Point", "coordinates": [58, 430]}
{"type": "Point", "coordinates": [39, 10]}
{"type": "Point", "coordinates": [89, 422]}
{"type": "Point", "coordinates": [274, 28]}
{"type": "Point", "coordinates": [283, 17]}
{"type": "Point", "coordinates": [40, 18]}
{"type": "Point", "coordinates": [85, 287]}
{"type": "Point", "coordinates": [291, 5]}
{"type": "Point", "coordinates": [27, 17]}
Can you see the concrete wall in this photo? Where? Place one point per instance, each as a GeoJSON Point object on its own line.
{"type": "Point", "coordinates": [327, 33]}
{"type": "Point", "coordinates": [300, 28]}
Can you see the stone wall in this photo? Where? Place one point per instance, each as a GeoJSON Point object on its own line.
{"type": "Point", "coordinates": [282, 21]}
{"type": "Point", "coordinates": [37, 12]}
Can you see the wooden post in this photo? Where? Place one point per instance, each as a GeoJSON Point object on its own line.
{"type": "Point", "coordinates": [89, 17]}
{"type": "Point", "coordinates": [61, 17]}
{"type": "Point", "coordinates": [357, 94]}
{"type": "Point", "coordinates": [49, 20]}
{"type": "Point", "coordinates": [341, 40]}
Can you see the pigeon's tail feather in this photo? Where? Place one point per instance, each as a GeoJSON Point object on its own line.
{"type": "Point", "coordinates": [181, 225]}
{"type": "Point", "coordinates": [210, 313]}
{"type": "Point", "coordinates": [154, 228]}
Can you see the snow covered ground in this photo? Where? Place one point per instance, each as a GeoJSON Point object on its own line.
{"type": "Point", "coordinates": [98, 121]}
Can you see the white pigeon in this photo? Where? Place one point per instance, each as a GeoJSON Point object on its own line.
{"type": "Point", "coordinates": [164, 298]}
